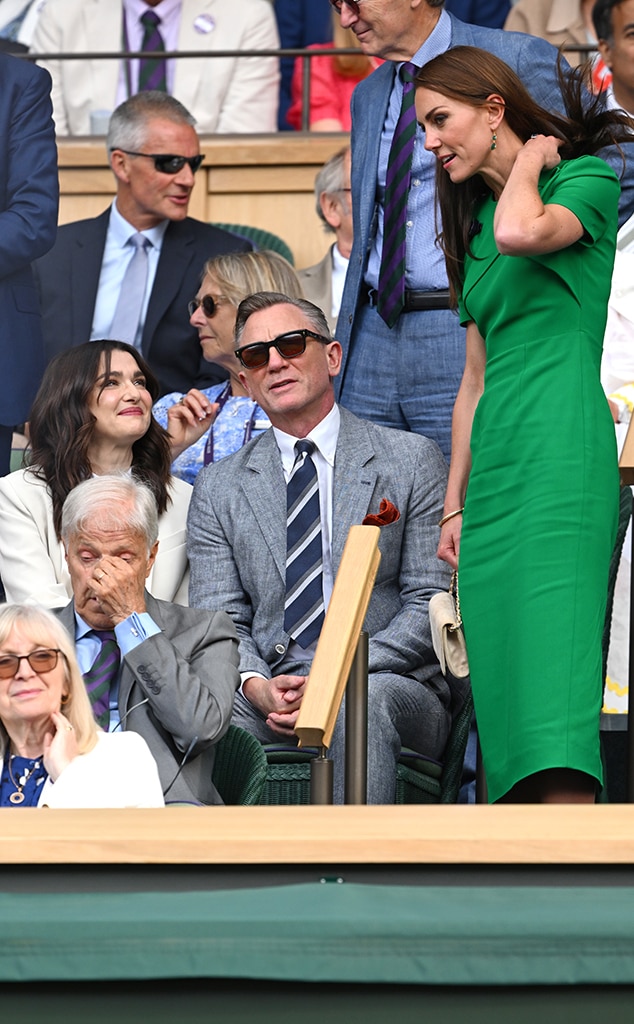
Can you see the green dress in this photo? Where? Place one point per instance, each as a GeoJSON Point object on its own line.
{"type": "Point", "coordinates": [542, 499]}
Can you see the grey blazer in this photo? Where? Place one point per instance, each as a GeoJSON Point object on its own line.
{"type": "Point", "coordinates": [184, 680]}
{"type": "Point", "coordinates": [237, 543]}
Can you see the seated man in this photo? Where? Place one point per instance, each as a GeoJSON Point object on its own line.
{"type": "Point", "coordinates": [164, 671]}
{"type": "Point", "coordinates": [323, 282]}
{"type": "Point", "coordinates": [225, 94]}
{"type": "Point", "coordinates": [238, 542]}
{"type": "Point", "coordinates": [89, 280]}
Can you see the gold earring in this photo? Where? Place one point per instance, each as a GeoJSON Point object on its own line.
{"type": "Point", "coordinates": [494, 141]}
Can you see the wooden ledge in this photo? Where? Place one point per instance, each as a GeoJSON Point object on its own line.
{"type": "Point", "coordinates": [321, 835]}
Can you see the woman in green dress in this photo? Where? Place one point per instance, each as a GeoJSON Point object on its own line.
{"type": "Point", "coordinates": [529, 221]}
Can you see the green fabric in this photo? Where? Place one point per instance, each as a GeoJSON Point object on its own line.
{"type": "Point", "coordinates": [325, 932]}
{"type": "Point", "coordinates": [541, 509]}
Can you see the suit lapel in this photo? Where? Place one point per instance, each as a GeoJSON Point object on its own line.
{"type": "Point", "coordinates": [86, 258]}
{"type": "Point", "coordinates": [354, 480]}
{"type": "Point", "coordinates": [265, 490]}
{"type": "Point", "coordinates": [176, 255]}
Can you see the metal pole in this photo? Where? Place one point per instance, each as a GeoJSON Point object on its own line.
{"type": "Point", "coordinates": [321, 778]}
{"type": "Point", "coordinates": [356, 777]}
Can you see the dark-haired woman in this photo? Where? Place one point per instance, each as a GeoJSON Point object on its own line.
{"type": "Point", "coordinates": [529, 219]}
{"type": "Point", "coordinates": [91, 415]}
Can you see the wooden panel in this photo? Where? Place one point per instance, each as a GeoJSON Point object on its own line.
{"type": "Point", "coordinates": [520, 834]}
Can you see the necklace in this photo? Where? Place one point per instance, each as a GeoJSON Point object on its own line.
{"type": "Point", "coordinates": [18, 796]}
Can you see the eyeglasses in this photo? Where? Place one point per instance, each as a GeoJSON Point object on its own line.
{"type": "Point", "coordinates": [352, 4]}
{"type": "Point", "coordinates": [167, 163]}
{"type": "Point", "coordinates": [289, 345]}
{"type": "Point", "coordinates": [40, 661]}
{"type": "Point", "coordinates": [208, 303]}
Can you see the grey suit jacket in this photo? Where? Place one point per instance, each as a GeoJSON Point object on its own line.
{"type": "Point", "coordinates": [184, 679]}
{"type": "Point", "coordinates": [316, 282]}
{"type": "Point", "coordinates": [237, 543]}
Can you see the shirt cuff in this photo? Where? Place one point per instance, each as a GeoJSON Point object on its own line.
{"type": "Point", "coordinates": [134, 630]}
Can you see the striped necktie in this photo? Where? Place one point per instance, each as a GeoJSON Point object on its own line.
{"type": "Point", "coordinates": [391, 293]}
{"type": "Point", "coordinates": [152, 70]}
{"type": "Point", "coordinates": [304, 604]}
{"type": "Point", "coordinates": [127, 314]}
{"type": "Point", "coordinates": [100, 677]}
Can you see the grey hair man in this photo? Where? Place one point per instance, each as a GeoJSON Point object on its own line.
{"type": "Point", "coordinates": [172, 671]}
{"type": "Point", "coordinates": [403, 359]}
{"type": "Point", "coordinates": [237, 543]}
{"type": "Point", "coordinates": [130, 272]}
{"type": "Point", "coordinates": [323, 282]}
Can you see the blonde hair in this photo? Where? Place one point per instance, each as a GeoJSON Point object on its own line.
{"type": "Point", "coordinates": [242, 273]}
{"type": "Point", "coordinates": [42, 627]}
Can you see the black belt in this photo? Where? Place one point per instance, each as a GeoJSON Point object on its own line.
{"type": "Point", "coordinates": [414, 301]}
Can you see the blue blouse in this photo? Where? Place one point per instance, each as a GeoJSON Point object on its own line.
{"type": "Point", "coordinates": [238, 421]}
{"type": "Point", "coordinates": [25, 778]}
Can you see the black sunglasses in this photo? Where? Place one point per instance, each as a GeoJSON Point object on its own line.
{"type": "Point", "coordinates": [208, 303]}
{"type": "Point", "coordinates": [40, 661]}
{"type": "Point", "coordinates": [289, 345]}
{"type": "Point", "coordinates": [352, 4]}
{"type": "Point", "coordinates": [166, 163]}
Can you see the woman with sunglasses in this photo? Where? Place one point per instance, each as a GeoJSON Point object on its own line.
{"type": "Point", "coordinates": [92, 415]}
{"type": "Point", "coordinates": [226, 414]}
{"type": "Point", "coordinates": [53, 752]}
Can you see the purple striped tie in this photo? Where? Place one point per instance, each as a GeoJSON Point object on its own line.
{"type": "Point", "coordinates": [152, 70]}
{"type": "Point", "coordinates": [391, 294]}
{"type": "Point", "coordinates": [100, 677]}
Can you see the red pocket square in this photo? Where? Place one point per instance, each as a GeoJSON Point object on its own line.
{"type": "Point", "coordinates": [388, 513]}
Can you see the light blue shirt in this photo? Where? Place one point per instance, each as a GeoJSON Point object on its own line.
{"type": "Point", "coordinates": [424, 261]}
{"type": "Point", "coordinates": [129, 634]}
{"type": "Point", "coordinates": [117, 256]}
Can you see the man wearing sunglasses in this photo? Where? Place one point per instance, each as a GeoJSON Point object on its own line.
{"type": "Point", "coordinates": [403, 359]}
{"type": "Point", "coordinates": [245, 557]}
{"type": "Point", "coordinates": [91, 284]}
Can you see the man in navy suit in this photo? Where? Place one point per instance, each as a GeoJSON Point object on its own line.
{"type": "Point", "coordinates": [154, 152]}
{"type": "Point", "coordinates": [407, 375]}
{"type": "Point", "coordinates": [29, 193]}
{"type": "Point", "coordinates": [237, 545]}
{"type": "Point", "coordinates": [491, 13]}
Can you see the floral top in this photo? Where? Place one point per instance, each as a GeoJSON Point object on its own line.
{"type": "Point", "coordinates": [239, 419]}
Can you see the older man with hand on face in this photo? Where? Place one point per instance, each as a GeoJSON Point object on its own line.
{"type": "Point", "coordinates": [267, 528]}
{"type": "Point", "coordinates": [153, 667]}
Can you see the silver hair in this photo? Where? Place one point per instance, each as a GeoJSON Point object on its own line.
{"type": "Point", "coordinates": [114, 500]}
{"type": "Point", "coordinates": [266, 300]}
{"type": "Point", "coordinates": [129, 122]}
{"type": "Point", "coordinates": [331, 179]}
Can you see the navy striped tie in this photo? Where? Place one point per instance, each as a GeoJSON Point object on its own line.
{"type": "Point", "coordinates": [152, 70]}
{"type": "Point", "coordinates": [304, 604]}
{"type": "Point", "coordinates": [391, 293]}
{"type": "Point", "coordinates": [100, 677]}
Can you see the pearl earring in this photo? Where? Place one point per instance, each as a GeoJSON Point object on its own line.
{"type": "Point", "coordinates": [494, 141]}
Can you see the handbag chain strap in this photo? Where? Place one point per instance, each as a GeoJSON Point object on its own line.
{"type": "Point", "coordinates": [454, 591]}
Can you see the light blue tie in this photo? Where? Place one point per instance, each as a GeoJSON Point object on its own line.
{"type": "Point", "coordinates": [127, 315]}
{"type": "Point", "coordinates": [304, 604]}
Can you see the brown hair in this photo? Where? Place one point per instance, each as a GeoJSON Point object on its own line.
{"type": "Point", "coordinates": [470, 75]}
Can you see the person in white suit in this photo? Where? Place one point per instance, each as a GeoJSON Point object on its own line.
{"type": "Point", "coordinates": [225, 94]}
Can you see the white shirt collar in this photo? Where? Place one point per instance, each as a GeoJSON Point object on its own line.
{"type": "Point", "coordinates": [120, 230]}
{"type": "Point", "coordinates": [324, 436]}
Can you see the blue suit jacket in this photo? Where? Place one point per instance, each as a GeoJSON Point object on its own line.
{"type": "Point", "coordinates": [532, 59]}
{"type": "Point", "coordinates": [68, 278]}
{"type": "Point", "coordinates": [29, 192]}
{"type": "Point", "coordinates": [237, 543]}
{"type": "Point", "coordinates": [491, 13]}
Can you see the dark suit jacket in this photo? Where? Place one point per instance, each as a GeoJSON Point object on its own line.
{"type": "Point", "coordinates": [29, 191]}
{"type": "Point", "coordinates": [490, 13]}
{"type": "Point", "coordinates": [68, 278]}
{"type": "Point", "coordinates": [184, 679]}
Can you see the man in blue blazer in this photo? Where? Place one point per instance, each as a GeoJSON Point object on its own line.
{"type": "Point", "coordinates": [237, 543]}
{"type": "Point", "coordinates": [80, 279]}
{"type": "Point", "coordinates": [29, 193]}
{"type": "Point", "coordinates": [407, 376]}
